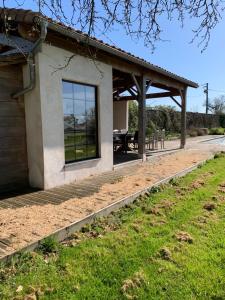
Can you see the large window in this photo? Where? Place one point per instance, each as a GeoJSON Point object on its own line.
{"type": "Point", "coordinates": [80, 121]}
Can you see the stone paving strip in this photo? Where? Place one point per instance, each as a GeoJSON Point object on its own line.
{"type": "Point", "coordinates": [29, 217]}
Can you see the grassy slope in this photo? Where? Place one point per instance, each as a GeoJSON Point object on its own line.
{"type": "Point", "coordinates": [124, 260]}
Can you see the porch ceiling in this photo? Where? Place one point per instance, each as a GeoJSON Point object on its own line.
{"type": "Point", "coordinates": [123, 82]}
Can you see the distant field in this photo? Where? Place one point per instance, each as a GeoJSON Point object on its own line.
{"type": "Point", "coordinates": [168, 245]}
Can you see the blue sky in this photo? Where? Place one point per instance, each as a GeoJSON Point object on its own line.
{"type": "Point", "coordinates": [177, 55]}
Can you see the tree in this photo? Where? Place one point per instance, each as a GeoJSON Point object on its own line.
{"type": "Point", "coordinates": [158, 117]}
{"type": "Point", "coordinates": [140, 18]}
{"type": "Point", "coordinates": [217, 105]}
{"type": "Point", "coordinates": [164, 117]}
{"type": "Point", "coordinates": [133, 116]}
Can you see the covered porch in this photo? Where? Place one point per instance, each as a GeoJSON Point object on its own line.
{"type": "Point", "coordinates": [130, 85]}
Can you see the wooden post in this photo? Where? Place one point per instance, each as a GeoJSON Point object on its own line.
{"type": "Point", "coordinates": [183, 95]}
{"type": "Point", "coordinates": [141, 117]}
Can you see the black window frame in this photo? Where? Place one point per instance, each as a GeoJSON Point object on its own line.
{"type": "Point", "coordinates": [96, 122]}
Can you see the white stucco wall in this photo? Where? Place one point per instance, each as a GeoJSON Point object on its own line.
{"type": "Point", "coordinates": [120, 115]}
{"type": "Point", "coordinates": [45, 125]}
{"type": "Point", "coordinates": [33, 117]}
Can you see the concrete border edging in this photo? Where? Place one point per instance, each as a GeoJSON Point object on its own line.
{"type": "Point", "coordinates": [63, 233]}
{"type": "Point", "coordinates": [212, 139]}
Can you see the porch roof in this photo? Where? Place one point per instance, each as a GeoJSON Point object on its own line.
{"type": "Point", "coordinates": [30, 17]}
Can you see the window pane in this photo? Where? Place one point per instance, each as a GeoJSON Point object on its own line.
{"type": "Point", "coordinates": [91, 151]}
{"type": "Point", "coordinates": [79, 107]}
{"type": "Point", "coordinates": [80, 137]}
{"type": "Point", "coordinates": [69, 154]}
{"type": "Point", "coordinates": [69, 139]}
{"type": "Point", "coordinates": [69, 123]}
{"type": "Point", "coordinates": [81, 152]}
{"type": "Point", "coordinates": [91, 124]}
{"type": "Point", "coordinates": [90, 93]}
{"type": "Point", "coordinates": [91, 139]}
{"type": "Point", "coordinates": [68, 107]}
{"type": "Point", "coordinates": [67, 90]}
{"type": "Point", "coordinates": [80, 123]}
{"type": "Point", "coordinates": [90, 108]}
{"type": "Point", "coordinates": [69, 130]}
{"type": "Point", "coordinates": [79, 91]}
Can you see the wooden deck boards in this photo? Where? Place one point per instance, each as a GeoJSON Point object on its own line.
{"type": "Point", "coordinates": [58, 195]}
{"type": "Point", "coordinates": [84, 188]}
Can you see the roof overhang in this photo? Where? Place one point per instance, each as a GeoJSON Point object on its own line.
{"type": "Point", "coordinates": [118, 52]}
{"type": "Point", "coordinates": [16, 44]}
{"type": "Point", "coordinates": [30, 17]}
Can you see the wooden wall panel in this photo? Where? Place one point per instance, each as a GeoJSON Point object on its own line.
{"type": "Point", "coordinates": [13, 153]}
{"type": "Point", "coordinates": [11, 108]}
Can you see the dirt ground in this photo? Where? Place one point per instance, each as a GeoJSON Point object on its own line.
{"type": "Point", "coordinates": [26, 224]}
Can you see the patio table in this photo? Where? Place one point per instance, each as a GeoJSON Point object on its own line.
{"type": "Point", "coordinates": [125, 139]}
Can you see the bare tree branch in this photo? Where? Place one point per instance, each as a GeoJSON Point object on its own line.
{"type": "Point", "coordinates": [142, 19]}
{"type": "Point", "coordinates": [217, 105]}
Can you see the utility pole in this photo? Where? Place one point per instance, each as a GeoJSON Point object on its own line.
{"type": "Point", "coordinates": [206, 91]}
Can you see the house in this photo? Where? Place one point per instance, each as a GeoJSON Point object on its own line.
{"type": "Point", "coordinates": [61, 96]}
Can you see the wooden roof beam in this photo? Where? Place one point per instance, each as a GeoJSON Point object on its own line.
{"type": "Point", "coordinates": [172, 97]}
{"type": "Point", "coordinates": [150, 96]}
{"type": "Point", "coordinates": [164, 81]}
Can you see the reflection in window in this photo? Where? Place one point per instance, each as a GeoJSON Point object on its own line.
{"type": "Point", "coordinates": [80, 121]}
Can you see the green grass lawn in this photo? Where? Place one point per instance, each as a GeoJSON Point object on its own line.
{"type": "Point", "coordinates": [167, 245]}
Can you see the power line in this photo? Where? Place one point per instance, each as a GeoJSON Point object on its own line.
{"type": "Point", "coordinates": [219, 91]}
{"type": "Point", "coordinates": [197, 96]}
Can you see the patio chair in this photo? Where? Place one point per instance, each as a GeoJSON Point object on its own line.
{"type": "Point", "coordinates": [156, 140]}
{"type": "Point", "coordinates": [161, 138]}
{"type": "Point", "coordinates": [120, 141]}
{"type": "Point", "coordinates": [135, 140]}
{"type": "Point", "coordinates": [117, 142]}
{"type": "Point", "coordinates": [150, 142]}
